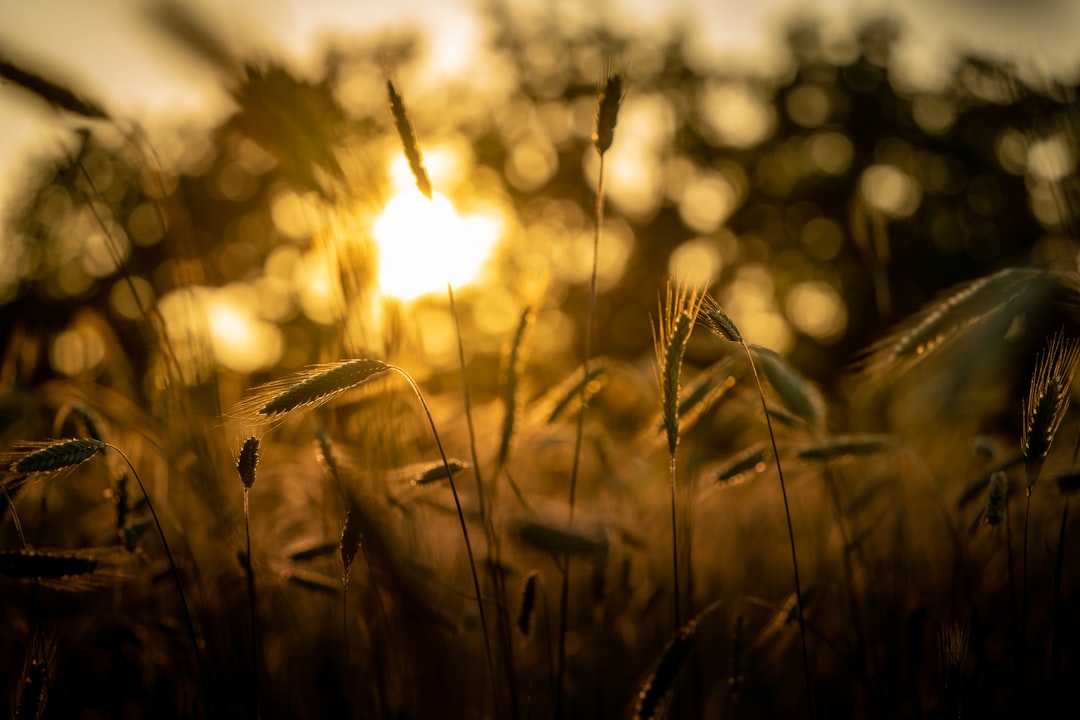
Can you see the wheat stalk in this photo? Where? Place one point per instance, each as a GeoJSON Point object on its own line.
{"type": "Point", "coordinates": [464, 529]}
{"type": "Point", "coordinates": [51, 456]}
{"type": "Point", "coordinates": [721, 324]}
{"type": "Point", "coordinates": [350, 544]}
{"type": "Point", "coordinates": [246, 465]}
{"type": "Point", "coordinates": [609, 99]}
{"type": "Point", "coordinates": [411, 147]}
{"type": "Point", "coordinates": [1047, 403]}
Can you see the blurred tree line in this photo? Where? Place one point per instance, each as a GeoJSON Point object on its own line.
{"type": "Point", "coordinates": [823, 202]}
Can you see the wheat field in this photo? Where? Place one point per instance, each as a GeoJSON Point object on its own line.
{"type": "Point", "coordinates": [761, 408]}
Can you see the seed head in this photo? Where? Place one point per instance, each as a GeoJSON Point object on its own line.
{"type": "Point", "coordinates": [249, 459]}
{"type": "Point", "coordinates": [717, 321]}
{"type": "Point", "coordinates": [994, 513]}
{"type": "Point", "coordinates": [408, 140]}
{"type": "Point", "coordinates": [52, 456]}
{"type": "Point", "coordinates": [607, 114]}
{"type": "Point", "coordinates": [528, 602]}
{"type": "Point", "coordinates": [670, 335]}
{"type": "Point", "coordinates": [1048, 396]}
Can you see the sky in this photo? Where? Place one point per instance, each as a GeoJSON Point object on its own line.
{"type": "Point", "coordinates": [103, 47]}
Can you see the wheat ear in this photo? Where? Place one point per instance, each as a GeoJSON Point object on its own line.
{"type": "Point", "coordinates": [671, 332]}
{"type": "Point", "coordinates": [68, 570]}
{"type": "Point", "coordinates": [408, 139]}
{"type": "Point", "coordinates": [528, 602]}
{"type": "Point", "coordinates": [309, 388]}
{"type": "Point", "coordinates": [51, 456]}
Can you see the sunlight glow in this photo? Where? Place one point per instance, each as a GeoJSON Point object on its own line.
{"type": "Point", "coordinates": [240, 340]}
{"type": "Point", "coordinates": [423, 245]}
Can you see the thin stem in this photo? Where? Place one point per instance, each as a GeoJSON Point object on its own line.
{"type": "Point", "coordinates": [1014, 622]}
{"type": "Point", "coordinates": [464, 532]}
{"type": "Point", "coordinates": [345, 619]}
{"type": "Point", "coordinates": [176, 576]}
{"type": "Point", "coordinates": [675, 545]}
{"type": "Point", "coordinates": [487, 521]}
{"type": "Point", "coordinates": [14, 517]}
{"type": "Point", "coordinates": [254, 619]}
{"type": "Point", "coordinates": [1024, 586]}
{"type": "Point", "coordinates": [1059, 566]}
{"type": "Point", "coordinates": [590, 320]}
{"type": "Point", "coordinates": [676, 707]}
{"type": "Point", "coordinates": [382, 606]}
{"type": "Point", "coordinates": [849, 570]}
{"type": "Point", "coordinates": [791, 534]}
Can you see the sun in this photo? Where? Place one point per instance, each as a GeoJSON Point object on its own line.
{"type": "Point", "coordinates": [424, 244]}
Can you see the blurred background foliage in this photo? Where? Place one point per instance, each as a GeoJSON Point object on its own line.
{"type": "Point", "coordinates": [821, 202]}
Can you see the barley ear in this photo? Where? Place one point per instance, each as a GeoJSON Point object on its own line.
{"type": "Point", "coordinates": [609, 96]}
{"type": "Point", "coordinates": [408, 139]}
{"type": "Point", "coordinates": [678, 313]}
{"type": "Point", "coordinates": [51, 456]}
{"type": "Point", "coordinates": [514, 361]}
{"type": "Point", "coordinates": [350, 542]}
{"type": "Point", "coordinates": [658, 686]}
{"type": "Point", "coordinates": [249, 459]}
{"type": "Point", "coordinates": [1047, 401]}
{"type": "Point", "coordinates": [528, 602]}
{"type": "Point", "coordinates": [996, 497]}
{"type": "Point", "coordinates": [717, 321]}
{"type": "Point", "coordinates": [308, 388]}
{"type": "Point", "coordinates": [325, 455]}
